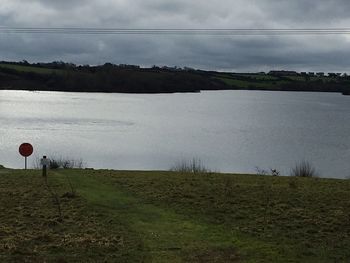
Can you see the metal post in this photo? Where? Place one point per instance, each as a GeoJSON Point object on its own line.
{"type": "Point", "coordinates": [25, 163]}
{"type": "Point", "coordinates": [44, 166]}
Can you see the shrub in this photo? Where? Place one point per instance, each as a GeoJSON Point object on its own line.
{"type": "Point", "coordinates": [304, 169]}
{"type": "Point", "coordinates": [54, 164]}
{"type": "Point", "coordinates": [273, 172]}
{"type": "Point", "coordinates": [65, 163]}
{"type": "Point", "coordinates": [193, 166]}
{"type": "Point", "coordinates": [60, 162]}
{"type": "Point", "coordinates": [260, 171]}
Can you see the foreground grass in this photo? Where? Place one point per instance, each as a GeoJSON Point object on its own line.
{"type": "Point", "coordinates": [32, 231]}
{"type": "Point", "coordinates": [173, 217]}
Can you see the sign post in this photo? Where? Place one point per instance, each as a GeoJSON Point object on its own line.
{"type": "Point", "coordinates": [44, 162]}
{"type": "Point", "coordinates": [25, 149]}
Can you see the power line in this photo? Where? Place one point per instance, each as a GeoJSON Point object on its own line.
{"type": "Point", "coordinates": [176, 31]}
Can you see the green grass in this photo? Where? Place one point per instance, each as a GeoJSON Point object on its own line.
{"type": "Point", "coordinates": [309, 78]}
{"type": "Point", "coordinates": [266, 82]}
{"type": "Point", "coordinates": [23, 68]}
{"type": "Point", "coordinates": [246, 84]}
{"type": "Point", "coordinates": [122, 216]}
{"type": "Point", "coordinates": [251, 81]}
{"type": "Point", "coordinates": [259, 77]}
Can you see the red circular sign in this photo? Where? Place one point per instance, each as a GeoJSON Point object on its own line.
{"type": "Point", "coordinates": [26, 149]}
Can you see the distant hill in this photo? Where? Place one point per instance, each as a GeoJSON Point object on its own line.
{"type": "Point", "coordinates": [60, 76]}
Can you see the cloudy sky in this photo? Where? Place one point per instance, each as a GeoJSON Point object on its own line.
{"type": "Point", "coordinates": [229, 53]}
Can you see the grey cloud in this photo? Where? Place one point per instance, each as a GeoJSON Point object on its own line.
{"type": "Point", "coordinates": [307, 13]}
{"type": "Point", "coordinates": [207, 52]}
{"type": "Point", "coordinates": [61, 4]}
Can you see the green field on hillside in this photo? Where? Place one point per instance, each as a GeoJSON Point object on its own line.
{"type": "Point", "coordinates": [244, 84]}
{"type": "Point", "coordinates": [120, 216]}
{"type": "Point", "coordinates": [22, 68]}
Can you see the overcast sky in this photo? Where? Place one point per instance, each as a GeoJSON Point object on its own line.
{"type": "Point", "coordinates": [229, 53]}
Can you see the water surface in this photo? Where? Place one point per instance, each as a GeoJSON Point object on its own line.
{"type": "Point", "coordinates": [230, 131]}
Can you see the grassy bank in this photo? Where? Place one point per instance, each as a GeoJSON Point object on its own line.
{"type": "Point", "coordinates": [122, 216]}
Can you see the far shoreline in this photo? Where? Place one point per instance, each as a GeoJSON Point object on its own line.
{"type": "Point", "coordinates": [178, 92]}
{"type": "Point", "coordinates": [131, 79]}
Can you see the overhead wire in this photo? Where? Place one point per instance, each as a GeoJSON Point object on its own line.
{"type": "Point", "coordinates": [176, 31]}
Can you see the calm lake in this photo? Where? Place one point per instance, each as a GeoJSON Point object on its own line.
{"type": "Point", "coordinates": [230, 131]}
